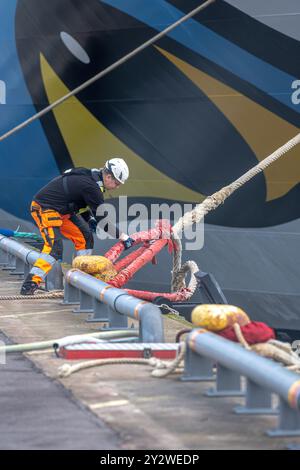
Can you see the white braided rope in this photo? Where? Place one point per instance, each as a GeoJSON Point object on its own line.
{"type": "Point", "coordinates": [160, 372]}
{"type": "Point", "coordinates": [216, 199]}
{"type": "Point", "coordinates": [273, 349]}
{"type": "Point", "coordinates": [67, 369]}
{"type": "Point", "coordinates": [179, 280]}
{"type": "Point", "coordinates": [168, 366]}
{"type": "Point", "coordinates": [47, 295]}
{"type": "Point", "coordinates": [213, 201]}
{"type": "Point", "coordinates": [177, 257]}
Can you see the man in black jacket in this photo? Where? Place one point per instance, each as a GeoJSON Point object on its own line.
{"type": "Point", "coordinates": [55, 210]}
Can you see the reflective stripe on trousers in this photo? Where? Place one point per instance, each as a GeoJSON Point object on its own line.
{"type": "Point", "coordinates": [41, 267]}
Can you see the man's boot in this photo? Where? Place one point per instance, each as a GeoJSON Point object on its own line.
{"type": "Point", "coordinates": [29, 288]}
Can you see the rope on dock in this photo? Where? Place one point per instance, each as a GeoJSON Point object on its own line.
{"type": "Point", "coordinates": [59, 294]}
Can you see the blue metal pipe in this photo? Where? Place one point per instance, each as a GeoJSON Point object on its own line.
{"type": "Point", "coordinates": [262, 371]}
{"type": "Point", "coordinates": [146, 313]}
{"type": "Point", "coordinates": [28, 256]}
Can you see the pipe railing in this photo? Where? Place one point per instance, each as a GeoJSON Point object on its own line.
{"type": "Point", "coordinates": [112, 305]}
{"type": "Point", "coordinates": [264, 377]}
{"type": "Point", "coordinates": [108, 304]}
{"type": "Point", "coordinates": [18, 259]}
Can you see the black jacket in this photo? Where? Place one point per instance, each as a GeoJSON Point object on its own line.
{"type": "Point", "coordinates": [75, 189]}
{"type": "Point", "coordinates": [72, 191]}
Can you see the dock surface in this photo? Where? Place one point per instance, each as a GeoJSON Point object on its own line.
{"type": "Point", "coordinates": [107, 407]}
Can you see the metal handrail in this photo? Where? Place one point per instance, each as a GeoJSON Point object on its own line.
{"type": "Point", "coordinates": [115, 305]}
{"type": "Point", "coordinates": [18, 250]}
{"type": "Point", "coordinates": [20, 259]}
{"type": "Point", "coordinates": [263, 377]}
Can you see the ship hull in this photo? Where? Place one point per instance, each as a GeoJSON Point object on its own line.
{"type": "Point", "coordinates": [189, 115]}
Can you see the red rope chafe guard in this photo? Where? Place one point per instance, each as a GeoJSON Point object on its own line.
{"type": "Point", "coordinates": [153, 241]}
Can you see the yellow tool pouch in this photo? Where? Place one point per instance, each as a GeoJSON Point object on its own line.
{"type": "Point", "coordinates": [51, 218]}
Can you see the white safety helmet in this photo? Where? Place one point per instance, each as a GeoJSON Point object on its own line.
{"type": "Point", "coordinates": [118, 168]}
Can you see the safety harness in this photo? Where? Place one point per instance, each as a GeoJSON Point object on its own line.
{"type": "Point", "coordinates": [96, 175]}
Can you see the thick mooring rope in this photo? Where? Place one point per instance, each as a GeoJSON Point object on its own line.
{"type": "Point", "coordinates": [195, 216]}
{"type": "Point", "coordinates": [48, 295]}
{"type": "Point", "coordinates": [272, 349]}
{"type": "Point", "coordinates": [188, 267]}
{"type": "Point", "coordinates": [215, 200]}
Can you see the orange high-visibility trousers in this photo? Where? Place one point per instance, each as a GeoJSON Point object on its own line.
{"type": "Point", "coordinates": [52, 227]}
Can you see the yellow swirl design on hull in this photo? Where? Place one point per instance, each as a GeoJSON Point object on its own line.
{"type": "Point", "coordinates": [262, 130]}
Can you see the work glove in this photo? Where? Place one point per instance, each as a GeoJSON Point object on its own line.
{"type": "Point", "coordinates": [128, 243]}
{"type": "Point", "coordinates": [93, 224]}
{"type": "Point", "coordinates": [126, 240]}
